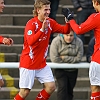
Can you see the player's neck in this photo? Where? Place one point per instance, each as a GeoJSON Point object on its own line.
{"type": "Point", "coordinates": [40, 19]}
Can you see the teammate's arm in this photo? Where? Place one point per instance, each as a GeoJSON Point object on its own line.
{"type": "Point", "coordinates": [6, 41]}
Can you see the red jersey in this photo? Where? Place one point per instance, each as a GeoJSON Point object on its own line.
{"type": "Point", "coordinates": [92, 23]}
{"type": "Point", "coordinates": [36, 42]}
{"type": "Point", "coordinates": [1, 39]}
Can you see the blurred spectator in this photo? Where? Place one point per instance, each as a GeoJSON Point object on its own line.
{"type": "Point", "coordinates": [90, 49]}
{"type": "Point", "coordinates": [67, 48]}
{"type": "Point", "coordinates": [84, 10]}
{"type": "Point", "coordinates": [54, 7]}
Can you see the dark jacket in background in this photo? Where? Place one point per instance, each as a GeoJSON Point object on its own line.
{"type": "Point", "coordinates": [90, 49]}
{"type": "Point", "coordinates": [82, 3]}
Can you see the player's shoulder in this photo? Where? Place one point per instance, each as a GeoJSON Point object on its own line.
{"type": "Point", "coordinates": [96, 15]}
{"type": "Point", "coordinates": [31, 21]}
{"type": "Point", "coordinates": [51, 20]}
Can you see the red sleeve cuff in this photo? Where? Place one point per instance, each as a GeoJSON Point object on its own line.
{"type": "Point", "coordinates": [1, 39]}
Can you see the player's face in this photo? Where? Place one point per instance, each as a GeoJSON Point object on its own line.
{"type": "Point", "coordinates": [69, 37]}
{"type": "Point", "coordinates": [2, 5]}
{"type": "Point", "coordinates": [44, 12]}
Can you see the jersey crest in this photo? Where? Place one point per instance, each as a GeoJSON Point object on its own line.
{"type": "Point", "coordinates": [29, 32]}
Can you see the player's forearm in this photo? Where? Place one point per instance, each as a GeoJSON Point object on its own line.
{"type": "Point", "coordinates": [64, 29]}
{"type": "Point", "coordinates": [1, 39]}
{"type": "Point", "coordinates": [34, 38]}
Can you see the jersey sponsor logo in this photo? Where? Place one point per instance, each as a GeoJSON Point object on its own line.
{"type": "Point", "coordinates": [29, 32]}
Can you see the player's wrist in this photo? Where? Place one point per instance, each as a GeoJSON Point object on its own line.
{"type": "Point", "coordinates": [41, 30]}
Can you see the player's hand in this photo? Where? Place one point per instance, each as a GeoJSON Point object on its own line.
{"type": "Point", "coordinates": [7, 41]}
{"type": "Point", "coordinates": [45, 24]}
{"type": "Point", "coordinates": [67, 13]}
{"type": "Point", "coordinates": [11, 41]}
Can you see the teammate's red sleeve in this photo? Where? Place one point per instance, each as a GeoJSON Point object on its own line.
{"type": "Point", "coordinates": [1, 39]}
{"type": "Point", "coordinates": [86, 26]}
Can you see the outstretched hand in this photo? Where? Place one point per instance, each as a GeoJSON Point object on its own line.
{"type": "Point", "coordinates": [7, 41]}
{"type": "Point", "coordinates": [67, 13]}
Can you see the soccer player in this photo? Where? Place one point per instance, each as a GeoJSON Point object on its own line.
{"type": "Point", "coordinates": [33, 58]}
{"type": "Point", "coordinates": [93, 22]}
{"type": "Point", "coordinates": [4, 40]}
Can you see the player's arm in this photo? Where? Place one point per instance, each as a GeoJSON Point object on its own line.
{"type": "Point", "coordinates": [58, 28]}
{"type": "Point", "coordinates": [31, 34]}
{"type": "Point", "coordinates": [6, 41]}
{"type": "Point", "coordinates": [86, 26]}
{"type": "Point", "coordinates": [1, 39]}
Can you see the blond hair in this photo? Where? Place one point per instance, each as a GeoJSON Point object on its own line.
{"type": "Point", "coordinates": [96, 1]}
{"type": "Point", "coordinates": [38, 5]}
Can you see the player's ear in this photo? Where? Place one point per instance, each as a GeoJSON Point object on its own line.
{"type": "Point", "coordinates": [97, 3]}
{"type": "Point", "coordinates": [38, 10]}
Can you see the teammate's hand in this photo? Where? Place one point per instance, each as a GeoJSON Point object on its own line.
{"type": "Point", "coordinates": [7, 41]}
{"type": "Point", "coordinates": [67, 13]}
{"type": "Point", "coordinates": [11, 41]}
